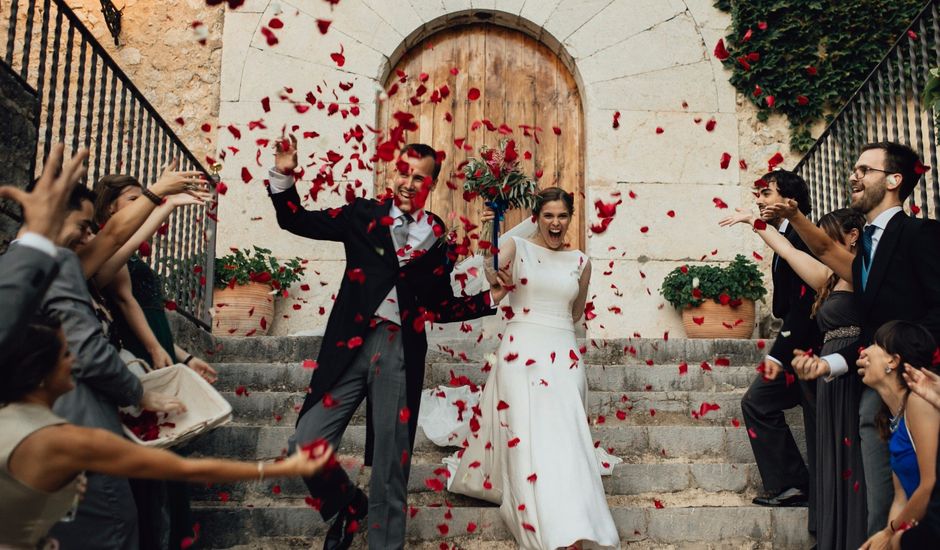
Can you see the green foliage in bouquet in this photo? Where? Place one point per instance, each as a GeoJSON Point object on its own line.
{"type": "Point", "coordinates": [259, 266]}
{"type": "Point", "coordinates": [739, 280]}
{"type": "Point", "coordinates": [495, 176]}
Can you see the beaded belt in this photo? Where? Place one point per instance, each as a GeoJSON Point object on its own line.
{"type": "Point", "coordinates": [842, 332]}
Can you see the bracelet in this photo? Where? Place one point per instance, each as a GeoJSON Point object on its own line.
{"type": "Point", "coordinates": [188, 359]}
{"type": "Point", "coordinates": [154, 198]}
{"type": "Point", "coordinates": [260, 471]}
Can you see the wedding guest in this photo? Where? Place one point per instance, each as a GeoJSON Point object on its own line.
{"type": "Point", "coordinates": [840, 513]}
{"type": "Point", "coordinates": [896, 275]}
{"type": "Point", "coordinates": [135, 293]}
{"type": "Point", "coordinates": [134, 286]}
{"type": "Point", "coordinates": [787, 479]}
{"type": "Point", "coordinates": [909, 424]}
{"type": "Point", "coordinates": [103, 382]}
{"type": "Point", "coordinates": [42, 456]}
{"type": "Point", "coordinates": [27, 271]}
{"type": "Point", "coordinates": [925, 383]}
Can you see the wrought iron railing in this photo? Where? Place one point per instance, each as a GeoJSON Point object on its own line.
{"type": "Point", "coordinates": [886, 107]}
{"type": "Point", "coordinates": [86, 100]}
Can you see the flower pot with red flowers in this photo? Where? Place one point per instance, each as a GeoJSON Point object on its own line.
{"type": "Point", "coordinates": [716, 302]}
{"type": "Point", "coordinates": [246, 285]}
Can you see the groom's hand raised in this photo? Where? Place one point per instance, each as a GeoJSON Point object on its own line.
{"type": "Point", "coordinates": [285, 155]}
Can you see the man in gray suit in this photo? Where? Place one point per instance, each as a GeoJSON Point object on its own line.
{"type": "Point", "coordinates": [107, 516]}
{"type": "Point", "coordinates": [28, 270]}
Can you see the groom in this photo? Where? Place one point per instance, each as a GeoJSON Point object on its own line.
{"type": "Point", "coordinates": [397, 277]}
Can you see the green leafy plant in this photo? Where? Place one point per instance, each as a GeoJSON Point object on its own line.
{"type": "Point", "coordinates": [804, 58]}
{"type": "Point", "coordinates": [931, 95]}
{"type": "Point", "coordinates": [690, 285]}
{"type": "Point", "coordinates": [256, 265]}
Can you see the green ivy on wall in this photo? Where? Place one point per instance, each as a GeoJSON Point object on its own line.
{"type": "Point", "coordinates": [804, 58]}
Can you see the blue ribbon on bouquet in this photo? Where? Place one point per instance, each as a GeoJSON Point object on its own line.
{"type": "Point", "coordinates": [499, 208]}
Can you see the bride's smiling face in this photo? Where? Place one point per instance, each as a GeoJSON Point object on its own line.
{"type": "Point", "coordinates": [553, 220]}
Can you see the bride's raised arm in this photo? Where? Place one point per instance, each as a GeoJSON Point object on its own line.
{"type": "Point", "coordinates": [577, 310]}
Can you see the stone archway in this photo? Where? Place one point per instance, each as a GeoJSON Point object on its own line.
{"type": "Point", "coordinates": [524, 88]}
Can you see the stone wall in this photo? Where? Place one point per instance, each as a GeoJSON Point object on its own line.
{"type": "Point", "coordinates": [159, 51]}
{"type": "Point", "coordinates": [650, 60]}
{"type": "Point", "coordinates": [18, 112]}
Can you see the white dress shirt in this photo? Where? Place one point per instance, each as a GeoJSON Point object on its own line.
{"type": "Point", "coordinates": [37, 241]}
{"type": "Point", "coordinates": [837, 364]}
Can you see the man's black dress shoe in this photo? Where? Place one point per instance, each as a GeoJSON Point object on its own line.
{"type": "Point", "coordinates": [786, 498]}
{"type": "Point", "coordinates": [347, 523]}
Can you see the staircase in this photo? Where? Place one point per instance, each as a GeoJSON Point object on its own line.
{"type": "Point", "coordinates": [686, 482]}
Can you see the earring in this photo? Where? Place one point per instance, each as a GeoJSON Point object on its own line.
{"type": "Point", "coordinates": [888, 370]}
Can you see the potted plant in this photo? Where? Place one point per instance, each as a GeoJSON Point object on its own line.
{"type": "Point", "coordinates": [246, 283]}
{"type": "Point", "coordinates": [716, 302]}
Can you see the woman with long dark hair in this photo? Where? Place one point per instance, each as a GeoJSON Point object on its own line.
{"type": "Point", "coordinates": [909, 424]}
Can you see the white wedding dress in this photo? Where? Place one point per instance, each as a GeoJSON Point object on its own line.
{"type": "Point", "coordinates": [530, 449]}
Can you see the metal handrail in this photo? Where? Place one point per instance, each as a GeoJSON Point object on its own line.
{"type": "Point", "coordinates": [885, 107]}
{"type": "Point", "coordinates": [85, 99]}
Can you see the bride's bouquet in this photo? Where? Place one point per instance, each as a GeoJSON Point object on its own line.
{"type": "Point", "coordinates": [496, 177]}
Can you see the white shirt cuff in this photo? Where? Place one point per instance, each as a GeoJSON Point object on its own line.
{"type": "Point", "coordinates": [279, 182]}
{"type": "Point", "coordinates": [493, 304]}
{"type": "Point", "coordinates": [37, 241]}
{"type": "Point", "coordinates": [837, 365]}
{"type": "Point", "coordinates": [774, 359]}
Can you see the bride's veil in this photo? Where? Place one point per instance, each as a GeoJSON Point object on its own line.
{"type": "Point", "coordinates": [468, 277]}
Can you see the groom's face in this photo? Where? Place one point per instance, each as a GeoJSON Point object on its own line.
{"type": "Point", "coordinates": [413, 183]}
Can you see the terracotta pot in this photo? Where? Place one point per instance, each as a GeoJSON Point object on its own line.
{"type": "Point", "coordinates": [718, 321]}
{"type": "Point", "coordinates": [245, 310]}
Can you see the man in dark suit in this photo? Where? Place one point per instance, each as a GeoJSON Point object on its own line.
{"type": "Point", "coordinates": [786, 478]}
{"type": "Point", "coordinates": [896, 275]}
{"type": "Point", "coordinates": [27, 271]}
{"type": "Point", "coordinates": [397, 278]}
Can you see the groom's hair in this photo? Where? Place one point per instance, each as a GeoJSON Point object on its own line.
{"type": "Point", "coordinates": [420, 150]}
{"type": "Point", "coordinates": [792, 186]}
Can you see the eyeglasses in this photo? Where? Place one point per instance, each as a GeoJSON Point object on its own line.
{"type": "Point", "coordinates": [861, 171]}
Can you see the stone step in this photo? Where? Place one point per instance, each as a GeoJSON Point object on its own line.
{"type": "Point", "coordinates": [626, 479]}
{"type": "Point", "coordinates": [257, 377]}
{"type": "Point", "coordinates": [275, 349]}
{"type": "Point", "coordinates": [632, 443]}
{"type": "Point", "coordinates": [639, 521]}
{"type": "Point", "coordinates": [640, 408]}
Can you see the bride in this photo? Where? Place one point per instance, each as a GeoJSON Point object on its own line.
{"type": "Point", "coordinates": [530, 449]}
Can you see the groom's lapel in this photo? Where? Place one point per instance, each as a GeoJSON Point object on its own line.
{"type": "Point", "coordinates": [881, 263]}
{"type": "Point", "coordinates": [383, 233]}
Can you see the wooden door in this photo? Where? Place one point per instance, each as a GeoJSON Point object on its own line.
{"type": "Point", "coordinates": [521, 83]}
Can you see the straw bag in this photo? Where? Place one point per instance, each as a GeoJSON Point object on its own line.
{"type": "Point", "coordinates": [206, 409]}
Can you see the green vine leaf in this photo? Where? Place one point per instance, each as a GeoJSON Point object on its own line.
{"type": "Point", "coordinates": [809, 55]}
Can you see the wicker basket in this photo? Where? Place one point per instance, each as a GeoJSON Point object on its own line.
{"type": "Point", "coordinates": [205, 407]}
{"type": "Point", "coordinates": [718, 321]}
{"type": "Point", "coordinates": [245, 310]}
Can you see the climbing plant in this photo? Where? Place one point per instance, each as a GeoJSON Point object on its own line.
{"type": "Point", "coordinates": [804, 58]}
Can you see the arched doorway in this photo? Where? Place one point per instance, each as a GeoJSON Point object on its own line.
{"type": "Point", "coordinates": [523, 86]}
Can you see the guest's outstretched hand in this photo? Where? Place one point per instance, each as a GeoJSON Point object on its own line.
{"type": "Point", "coordinates": [285, 155]}
{"type": "Point", "coordinates": [173, 181]}
{"type": "Point", "coordinates": [742, 215]}
{"type": "Point", "coordinates": [44, 208]}
{"type": "Point", "coordinates": [924, 383]}
{"type": "Point", "coordinates": [781, 210]}
{"type": "Point", "coordinates": [161, 402]}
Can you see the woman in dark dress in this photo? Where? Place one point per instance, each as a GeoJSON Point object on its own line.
{"type": "Point", "coordinates": [841, 516]}
{"type": "Point", "coordinates": [136, 295]}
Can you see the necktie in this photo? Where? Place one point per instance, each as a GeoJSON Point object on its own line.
{"type": "Point", "coordinates": [867, 235]}
{"type": "Point", "coordinates": [400, 233]}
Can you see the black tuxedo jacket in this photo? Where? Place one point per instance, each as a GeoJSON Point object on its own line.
{"type": "Point", "coordinates": [423, 286]}
{"type": "Point", "coordinates": [793, 302]}
{"type": "Point", "coordinates": [904, 281]}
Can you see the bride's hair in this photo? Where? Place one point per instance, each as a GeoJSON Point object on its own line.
{"type": "Point", "coordinates": [550, 194]}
